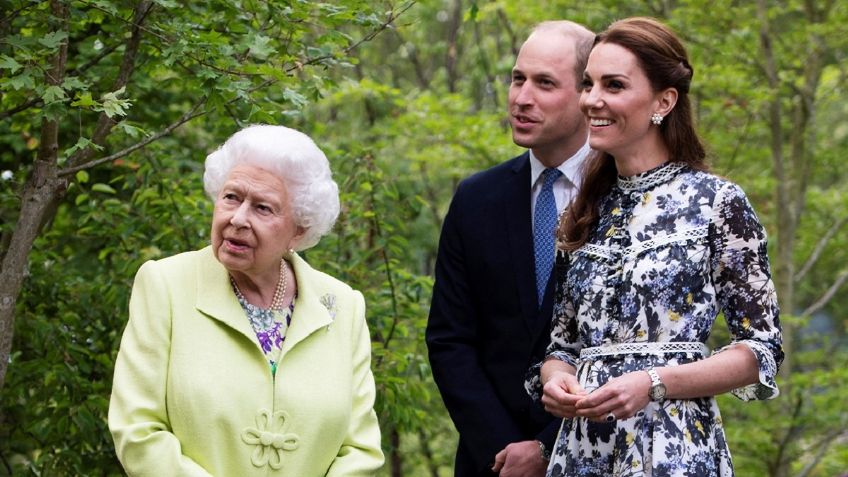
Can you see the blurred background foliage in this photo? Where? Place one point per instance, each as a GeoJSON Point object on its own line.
{"type": "Point", "coordinates": [406, 99]}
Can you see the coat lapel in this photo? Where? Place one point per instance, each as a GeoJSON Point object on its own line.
{"type": "Point", "coordinates": [519, 236]}
{"type": "Point", "coordinates": [314, 308]}
{"type": "Point", "coordinates": [215, 297]}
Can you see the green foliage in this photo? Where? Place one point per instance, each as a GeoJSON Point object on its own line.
{"type": "Point", "coordinates": [403, 118]}
{"type": "Point", "coordinates": [74, 310]}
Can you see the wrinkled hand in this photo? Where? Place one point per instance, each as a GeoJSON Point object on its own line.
{"type": "Point", "coordinates": [623, 396]}
{"type": "Point", "coordinates": [520, 459]}
{"type": "Point", "coordinates": [561, 393]}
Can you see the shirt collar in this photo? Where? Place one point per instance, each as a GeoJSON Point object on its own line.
{"type": "Point", "coordinates": [571, 168]}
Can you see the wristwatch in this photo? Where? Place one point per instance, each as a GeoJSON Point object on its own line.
{"type": "Point", "coordinates": [657, 391]}
{"type": "Point", "coordinates": [545, 453]}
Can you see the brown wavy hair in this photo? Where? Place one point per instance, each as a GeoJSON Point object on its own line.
{"type": "Point", "coordinates": [665, 62]}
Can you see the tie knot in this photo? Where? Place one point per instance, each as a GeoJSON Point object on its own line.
{"type": "Point", "coordinates": [550, 175]}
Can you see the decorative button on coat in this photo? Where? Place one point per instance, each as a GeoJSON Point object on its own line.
{"type": "Point", "coordinates": [270, 439]}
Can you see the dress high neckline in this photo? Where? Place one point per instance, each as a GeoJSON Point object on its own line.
{"type": "Point", "coordinates": [650, 178]}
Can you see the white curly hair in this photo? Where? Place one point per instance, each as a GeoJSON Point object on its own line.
{"type": "Point", "coordinates": [293, 157]}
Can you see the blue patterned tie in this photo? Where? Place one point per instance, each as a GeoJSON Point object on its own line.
{"type": "Point", "coordinates": [544, 223]}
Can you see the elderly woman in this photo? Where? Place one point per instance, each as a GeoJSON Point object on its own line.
{"type": "Point", "coordinates": [240, 359]}
{"type": "Point", "coordinates": [652, 249]}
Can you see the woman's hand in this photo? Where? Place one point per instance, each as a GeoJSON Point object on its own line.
{"type": "Point", "coordinates": [622, 397]}
{"type": "Point", "coordinates": [560, 394]}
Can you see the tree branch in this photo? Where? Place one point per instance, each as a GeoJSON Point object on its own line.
{"type": "Point", "coordinates": [92, 62]}
{"type": "Point", "coordinates": [418, 67]}
{"type": "Point", "coordinates": [104, 122]}
{"type": "Point", "coordinates": [795, 427]}
{"type": "Point", "coordinates": [21, 107]}
{"type": "Point", "coordinates": [317, 59]}
{"type": "Point", "coordinates": [188, 116]}
{"type": "Point", "coordinates": [72, 72]}
{"type": "Point", "coordinates": [487, 69]}
{"type": "Point", "coordinates": [514, 42]}
{"type": "Point", "coordinates": [452, 51]}
{"type": "Point", "coordinates": [78, 165]}
{"type": "Point", "coordinates": [821, 449]}
{"type": "Point", "coordinates": [820, 246]}
{"type": "Point", "coordinates": [828, 295]}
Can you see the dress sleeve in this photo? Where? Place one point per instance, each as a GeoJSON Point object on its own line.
{"type": "Point", "coordinates": [138, 418]}
{"type": "Point", "coordinates": [565, 340]}
{"type": "Point", "coordinates": [746, 294]}
{"type": "Point", "coordinates": [360, 453]}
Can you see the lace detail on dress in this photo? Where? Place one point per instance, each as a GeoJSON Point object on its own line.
{"type": "Point", "coordinates": [606, 253]}
{"type": "Point", "coordinates": [651, 178]}
{"type": "Point", "coordinates": [610, 253]}
{"type": "Point", "coordinates": [681, 236]}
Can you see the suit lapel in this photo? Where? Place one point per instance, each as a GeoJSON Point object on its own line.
{"type": "Point", "coordinates": [519, 236]}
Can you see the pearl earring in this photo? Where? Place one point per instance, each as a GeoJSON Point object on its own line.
{"type": "Point", "coordinates": [656, 118]}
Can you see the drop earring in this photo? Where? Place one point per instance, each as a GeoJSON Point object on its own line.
{"type": "Point", "coordinates": [656, 118]}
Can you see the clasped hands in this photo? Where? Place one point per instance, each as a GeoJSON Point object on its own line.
{"type": "Point", "coordinates": [621, 397]}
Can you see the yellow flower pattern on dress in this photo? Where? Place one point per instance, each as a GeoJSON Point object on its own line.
{"type": "Point", "coordinates": [269, 439]}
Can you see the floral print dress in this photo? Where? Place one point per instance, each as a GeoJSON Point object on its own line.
{"type": "Point", "coordinates": [673, 248]}
{"type": "Point", "coordinates": [270, 327]}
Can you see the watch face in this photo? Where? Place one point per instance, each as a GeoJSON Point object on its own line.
{"type": "Point", "coordinates": [658, 392]}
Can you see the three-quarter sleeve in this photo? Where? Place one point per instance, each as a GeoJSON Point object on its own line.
{"type": "Point", "coordinates": [746, 294]}
{"type": "Point", "coordinates": [138, 418]}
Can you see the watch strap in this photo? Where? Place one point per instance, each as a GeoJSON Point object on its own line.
{"type": "Point", "coordinates": [544, 451]}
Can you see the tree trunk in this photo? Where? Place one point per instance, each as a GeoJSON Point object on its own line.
{"type": "Point", "coordinates": [395, 458]}
{"type": "Point", "coordinates": [42, 191]}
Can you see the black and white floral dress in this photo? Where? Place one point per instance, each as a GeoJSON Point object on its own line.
{"type": "Point", "coordinates": [673, 248]}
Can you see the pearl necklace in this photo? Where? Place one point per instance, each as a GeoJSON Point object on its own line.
{"type": "Point", "coordinates": [279, 292]}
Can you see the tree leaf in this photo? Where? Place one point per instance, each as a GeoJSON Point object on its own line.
{"type": "Point", "coordinates": [112, 105]}
{"type": "Point", "coordinates": [52, 94]}
{"type": "Point", "coordinates": [9, 63]}
{"type": "Point", "coordinates": [104, 188]}
{"type": "Point", "coordinates": [260, 47]}
{"type": "Point", "coordinates": [84, 100]}
{"type": "Point", "coordinates": [21, 81]}
{"type": "Point", "coordinates": [54, 39]}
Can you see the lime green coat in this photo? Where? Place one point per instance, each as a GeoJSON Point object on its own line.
{"type": "Point", "coordinates": [193, 394]}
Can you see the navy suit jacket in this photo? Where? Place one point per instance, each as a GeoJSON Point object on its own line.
{"type": "Point", "coordinates": [485, 327]}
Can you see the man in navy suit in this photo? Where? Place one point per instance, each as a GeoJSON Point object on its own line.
{"type": "Point", "coordinates": [493, 296]}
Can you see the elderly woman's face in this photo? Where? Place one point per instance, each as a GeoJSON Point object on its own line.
{"type": "Point", "coordinates": [252, 227]}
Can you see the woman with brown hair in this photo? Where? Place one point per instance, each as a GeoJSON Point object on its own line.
{"type": "Point", "coordinates": [652, 250]}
